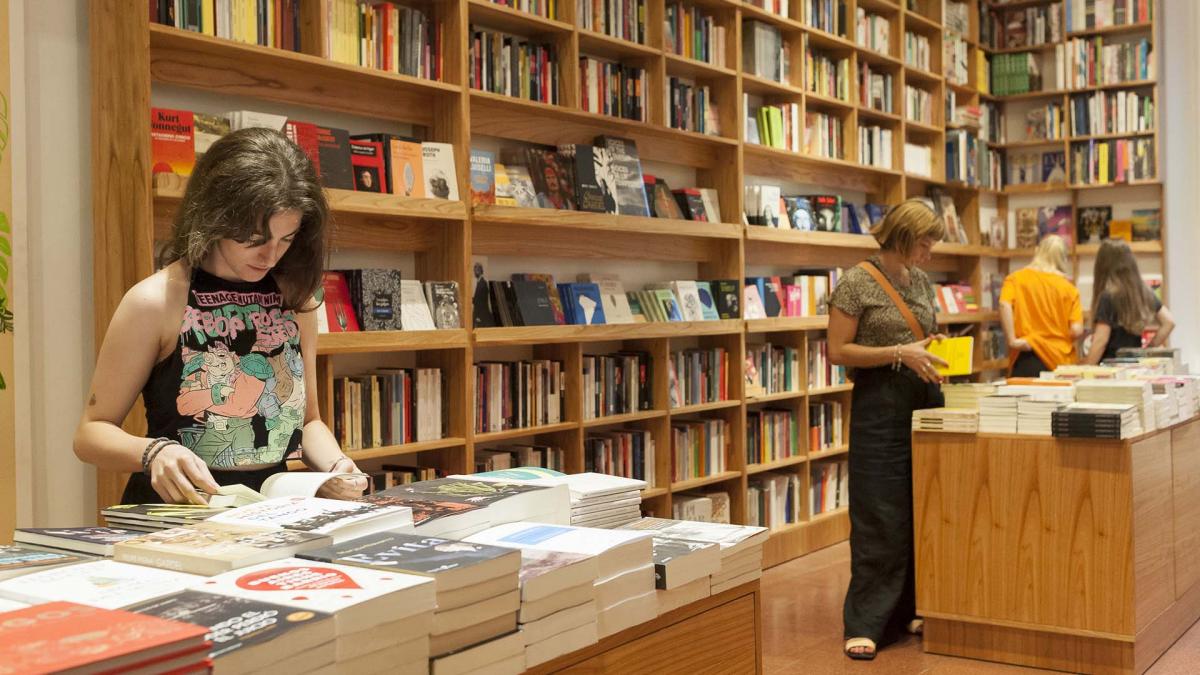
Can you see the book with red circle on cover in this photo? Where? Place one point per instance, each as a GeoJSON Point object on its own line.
{"type": "Point", "coordinates": [64, 636]}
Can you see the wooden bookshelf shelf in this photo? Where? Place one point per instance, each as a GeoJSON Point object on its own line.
{"type": "Point", "coordinates": [688, 67]}
{"type": "Point", "coordinates": [782, 22]}
{"type": "Point", "coordinates": [831, 452]}
{"type": "Point", "coordinates": [1027, 49]}
{"type": "Point", "coordinates": [879, 59]}
{"type": "Point", "coordinates": [787, 323]}
{"type": "Point", "coordinates": [492, 15]}
{"type": "Point", "coordinates": [363, 342]}
{"type": "Point", "coordinates": [773, 398]}
{"type": "Point", "coordinates": [524, 432]}
{"type": "Point", "coordinates": [1108, 137]}
{"type": "Point", "coordinates": [654, 492]}
{"type": "Point", "coordinates": [829, 42]}
{"type": "Point", "coordinates": [829, 102]}
{"type": "Point", "coordinates": [829, 515]}
{"type": "Point", "coordinates": [592, 43]}
{"type": "Point", "coordinates": [969, 250]}
{"type": "Point", "coordinates": [1027, 96]}
{"type": "Point", "coordinates": [1122, 29]}
{"type": "Point", "coordinates": [1030, 143]}
{"type": "Point", "coordinates": [1128, 84]}
{"type": "Point", "coordinates": [803, 238]}
{"type": "Point", "coordinates": [189, 59]}
{"type": "Point", "coordinates": [921, 24]}
{"type": "Point", "coordinates": [693, 483]}
{"type": "Point", "coordinates": [761, 160]}
{"type": "Point", "coordinates": [834, 389]}
{"type": "Point", "coordinates": [884, 7]}
{"type": "Point", "coordinates": [752, 469]}
{"type": "Point", "coordinates": [1036, 188]}
{"type": "Point", "coordinates": [983, 316]}
{"type": "Point", "coordinates": [761, 86]}
{"type": "Point", "coordinates": [872, 115]}
{"type": "Point", "coordinates": [921, 127]}
{"type": "Point", "coordinates": [1135, 246]}
{"type": "Point", "coordinates": [1109, 186]}
{"type": "Point", "coordinates": [391, 451]}
{"type": "Point", "coordinates": [613, 420]}
{"type": "Point", "coordinates": [510, 217]}
{"type": "Point", "coordinates": [529, 335]}
{"type": "Point", "coordinates": [963, 88]}
{"type": "Point", "coordinates": [698, 408]}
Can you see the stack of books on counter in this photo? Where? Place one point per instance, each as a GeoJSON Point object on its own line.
{"type": "Point", "coordinates": [683, 571]}
{"type": "Point", "coordinates": [210, 548]}
{"type": "Point", "coordinates": [949, 420]}
{"type": "Point", "coordinates": [558, 603]}
{"type": "Point", "coordinates": [998, 413]}
{"type": "Point", "coordinates": [381, 620]}
{"type": "Point", "coordinates": [1166, 407]}
{"type": "Point", "coordinates": [966, 395]}
{"type": "Point", "coordinates": [597, 499]}
{"type": "Point", "coordinates": [457, 507]}
{"type": "Point", "coordinates": [1138, 393]}
{"type": "Point", "coordinates": [251, 636]}
{"type": "Point", "coordinates": [16, 560]}
{"type": "Point", "coordinates": [64, 637]}
{"type": "Point", "coordinates": [1174, 354]}
{"type": "Point", "coordinates": [1034, 415]}
{"type": "Point", "coordinates": [1097, 420]}
{"type": "Point", "coordinates": [625, 569]}
{"type": "Point", "coordinates": [741, 546]}
{"type": "Point", "coordinates": [93, 541]}
{"type": "Point", "coordinates": [1183, 387]}
{"type": "Point", "coordinates": [99, 583]}
{"type": "Point", "coordinates": [339, 520]}
{"type": "Point", "coordinates": [150, 517]}
{"type": "Point", "coordinates": [475, 585]}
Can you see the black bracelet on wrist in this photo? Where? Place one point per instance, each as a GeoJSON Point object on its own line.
{"type": "Point", "coordinates": [151, 451]}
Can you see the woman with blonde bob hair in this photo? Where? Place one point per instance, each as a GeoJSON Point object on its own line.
{"type": "Point", "coordinates": [1040, 312]}
{"type": "Point", "coordinates": [882, 316]}
{"type": "Point", "coordinates": [1123, 305]}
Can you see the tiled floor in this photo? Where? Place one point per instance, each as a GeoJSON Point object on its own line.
{"type": "Point", "coordinates": [802, 619]}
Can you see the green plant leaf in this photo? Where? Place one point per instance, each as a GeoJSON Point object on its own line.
{"type": "Point", "coordinates": [5, 248]}
{"type": "Point", "coordinates": [4, 223]}
{"type": "Point", "coordinates": [3, 271]}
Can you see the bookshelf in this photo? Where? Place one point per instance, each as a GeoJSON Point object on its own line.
{"type": "Point", "coordinates": [131, 57]}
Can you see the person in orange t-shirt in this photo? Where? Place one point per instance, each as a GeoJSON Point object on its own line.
{"type": "Point", "coordinates": [1040, 311]}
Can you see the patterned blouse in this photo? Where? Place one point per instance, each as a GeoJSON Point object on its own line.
{"type": "Point", "coordinates": [880, 324]}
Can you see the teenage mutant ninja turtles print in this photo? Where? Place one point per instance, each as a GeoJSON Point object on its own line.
{"type": "Point", "coordinates": [237, 375]}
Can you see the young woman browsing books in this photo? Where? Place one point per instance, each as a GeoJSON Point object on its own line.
{"type": "Point", "coordinates": [221, 341]}
{"type": "Point", "coordinates": [1123, 305]}
{"type": "Point", "coordinates": [881, 319]}
{"type": "Point", "coordinates": [1040, 312]}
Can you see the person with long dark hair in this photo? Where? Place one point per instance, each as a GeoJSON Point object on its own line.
{"type": "Point", "coordinates": [221, 340]}
{"type": "Point", "coordinates": [1123, 305]}
{"type": "Point", "coordinates": [882, 316]}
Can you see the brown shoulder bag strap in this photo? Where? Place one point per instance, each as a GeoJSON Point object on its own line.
{"type": "Point", "coordinates": [901, 305]}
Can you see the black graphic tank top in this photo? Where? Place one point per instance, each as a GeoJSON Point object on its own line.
{"type": "Point", "coordinates": [233, 389]}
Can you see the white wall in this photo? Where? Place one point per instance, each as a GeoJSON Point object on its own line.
{"type": "Point", "coordinates": [55, 281]}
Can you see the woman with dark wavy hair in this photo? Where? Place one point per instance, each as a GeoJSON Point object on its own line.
{"type": "Point", "coordinates": [1123, 305]}
{"type": "Point", "coordinates": [221, 340]}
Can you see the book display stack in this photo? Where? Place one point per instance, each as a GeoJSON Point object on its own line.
{"type": "Point", "coordinates": [558, 603]}
{"type": "Point", "coordinates": [998, 413]}
{"type": "Point", "coordinates": [952, 420]}
{"type": "Point", "coordinates": [682, 571]}
{"type": "Point", "coordinates": [741, 546]}
{"type": "Point", "coordinates": [1097, 420]}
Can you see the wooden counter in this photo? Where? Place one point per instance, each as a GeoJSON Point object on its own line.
{"type": "Point", "coordinates": [719, 634]}
{"type": "Point", "coordinates": [1077, 555]}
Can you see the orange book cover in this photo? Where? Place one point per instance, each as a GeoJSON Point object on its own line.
{"type": "Point", "coordinates": [408, 178]}
{"type": "Point", "coordinates": [172, 141]}
{"type": "Point", "coordinates": [60, 636]}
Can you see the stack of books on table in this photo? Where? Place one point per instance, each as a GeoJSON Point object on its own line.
{"type": "Point", "coordinates": [1166, 408]}
{"type": "Point", "coordinates": [1034, 415]}
{"type": "Point", "coordinates": [625, 569]}
{"type": "Point", "coordinates": [251, 636]}
{"type": "Point", "coordinates": [94, 541]}
{"type": "Point", "coordinates": [98, 583]}
{"type": "Point", "coordinates": [1139, 393]}
{"type": "Point", "coordinates": [1184, 388]}
{"type": "Point", "coordinates": [558, 603]}
{"type": "Point", "coordinates": [683, 571]}
{"type": "Point", "coordinates": [339, 520]}
{"type": "Point", "coordinates": [1173, 354]}
{"type": "Point", "coordinates": [64, 637]}
{"type": "Point", "coordinates": [475, 585]}
{"type": "Point", "coordinates": [949, 420]}
{"type": "Point", "coordinates": [459, 506]}
{"type": "Point", "coordinates": [16, 560]}
{"type": "Point", "coordinates": [381, 620]}
{"type": "Point", "coordinates": [597, 499]}
{"type": "Point", "coordinates": [150, 517]}
{"type": "Point", "coordinates": [210, 548]}
{"type": "Point", "coordinates": [1097, 420]}
{"type": "Point", "coordinates": [966, 395]}
{"type": "Point", "coordinates": [998, 413]}
{"type": "Point", "coordinates": [741, 546]}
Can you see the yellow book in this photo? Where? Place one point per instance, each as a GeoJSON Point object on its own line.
{"type": "Point", "coordinates": [1103, 164]}
{"type": "Point", "coordinates": [1120, 229]}
{"type": "Point", "coordinates": [958, 352]}
{"type": "Point", "coordinates": [208, 25]}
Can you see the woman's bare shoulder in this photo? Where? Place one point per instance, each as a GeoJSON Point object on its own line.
{"type": "Point", "coordinates": [158, 293]}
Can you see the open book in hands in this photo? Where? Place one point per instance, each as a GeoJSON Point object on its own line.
{"type": "Point", "coordinates": [283, 484]}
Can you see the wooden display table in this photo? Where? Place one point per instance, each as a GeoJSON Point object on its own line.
{"type": "Point", "coordinates": [1078, 555]}
{"type": "Point", "coordinates": [719, 634]}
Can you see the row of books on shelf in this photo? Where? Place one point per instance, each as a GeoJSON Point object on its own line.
{"type": "Point", "coordinates": [446, 576]}
{"type": "Point", "coordinates": [766, 205]}
{"type": "Point", "coordinates": [765, 52]}
{"type": "Point", "coordinates": [970, 160]}
{"type": "Point", "coordinates": [521, 455]}
{"type": "Point", "coordinates": [391, 406]}
{"type": "Point", "coordinates": [1113, 161]}
{"type": "Point", "coordinates": [536, 300]}
{"type": "Point", "coordinates": [918, 159]}
{"type": "Point", "coordinates": [390, 475]}
{"type": "Point", "coordinates": [385, 36]}
{"type": "Point", "coordinates": [875, 88]}
{"type": "Point", "coordinates": [613, 89]}
{"type": "Point", "coordinates": [712, 506]}
{"type": "Point", "coordinates": [804, 294]}
{"type": "Point", "coordinates": [955, 298]}
{"type": "Point", "coordinates": [874, 146]}
{"type": "Point", "coordinates": [514, 66]}
{"type": "Point", "coordinates": [1004, 28]}
{"type": "Point", "coordinates": [916, 50]}
{"type": "Point", "coordinates": [517, 394]}
{"type": "Point", "coordinates": [776, 499]}
{"type": "Point", "coordinates": [621, 452]}
{"type": "Point", "coordinates": [271, 25]}
{"type": "Point", "coordinates": [379, 299]}
{"type": "Point", "coordinates": [771, 436]}
{"type": "Point", "coordinates": [547, 9]}
{"type": "Point", "coordinates": [1112, 112]}
{"type": "Point", "coordinates": [1089, 14]}
{"type": "Point", "coordinates": [698, 376]}
{"type": "Point", "coordinates": [1045, 123]}
{"type": "Point", "coordinates": [825, 426]}
{"type": "Point", "coordinates": [822, 373]}
{"type": "Point", "coordinates": [826, 75]}
{"type": "Point", "coordinates": [617, 384]}
{"type": "Point", "coordinates": [624, 19]}
{"type": "Point", "coordinates": [698, 448]}
{"type": "Point", "coordinates": [1091, 225]}
{"type": "Point", "coordinates": [692, 33]}
{"type": "Point", "coordinates": [872, 31]}
{"type": "Point", "coordinates": [1075, 64]}
{"type": "Point", "coordinates": [777, 126]}
{"type": "Point", "coordinates": [1034, 167]}
{"type": "Point", "coordinates": [956, 66]}
{"type": "Point", "coordinates": [830, 486]}
{"type": "Point", "coordinates": [691, 107]}
{"type": "Point", "coordinates": [918, 105]}
{"type": "Point", "coordinates": [772, 369]}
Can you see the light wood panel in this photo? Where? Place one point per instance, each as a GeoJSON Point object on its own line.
{"type": "Point", "coordinates": [8, 432]}
{"type": "Point", "coordinates": [1153, 528]}
{"type": "Point", "coordinates": [1185, 490]}
{"type": "Point", "coordinates": [1071, 653]}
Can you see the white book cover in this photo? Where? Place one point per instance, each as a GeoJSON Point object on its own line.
{"type": "Point", "coordinates": [359, 597]}
{"type": "Point", "coordinates": [732, 538]}
{"type": "Point", "coordinates": [612, 297]}
{"type": "Point", "coordinates": [102, 583]}
{"type": "Point", "coordinates": [338, 519]}
{"type": "Point", "coordinates": [247, 119]}
{"type": "Point", "coordinates": [414, 310]}
{"type": "Point", "coordinates": [437, 165]}
{"type": "Point", "coordinates": [689, 300]}
{"type": "Point", "coordinates": [615, 550]}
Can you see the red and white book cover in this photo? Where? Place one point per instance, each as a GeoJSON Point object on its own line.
{"type": "Point", "coordinates": [102, 583]}
{"type": "Point", "coordinates": [358, 597]}
{"type": "Point", "coordinates": [64, 636]}
{"type": "Point", "coordinates": [339, 310]}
